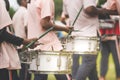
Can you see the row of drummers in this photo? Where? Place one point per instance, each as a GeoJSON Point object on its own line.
{"type": "Point", "coordinates": [61, 61]}
{"type": "Point", "coordinates": [108, 27]}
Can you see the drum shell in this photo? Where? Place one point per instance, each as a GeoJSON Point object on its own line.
{"type": "Point", "coordinates": [82, 44]}
{"type": "Point", "coordinates": [51, 62]}
{"type": "Point", "coordinates": [111, 31]}
{"type": "Point", "coordinates": [106, 23]}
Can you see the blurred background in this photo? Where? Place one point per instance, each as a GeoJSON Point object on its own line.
{"type": "Point", "coordinates": [58, 7]}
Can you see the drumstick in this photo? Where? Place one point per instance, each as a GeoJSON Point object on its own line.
{"type": "Point", "coordinates": [70, 31]}
{"type": "Point", "coordinates": [39, 37]}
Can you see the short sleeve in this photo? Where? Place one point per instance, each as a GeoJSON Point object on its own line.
{"type": "Point", "coordinates": [45, 7]}
{"type": "Point", "coordinates": [87, 3]}
{"type": "Point", "coordinates": [25, 18]}
{"type": "Point", "coordinates": [5, 19]}
{"type": "Point", "coordinates": [64, 7]}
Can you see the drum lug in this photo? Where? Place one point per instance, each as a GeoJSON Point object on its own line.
{"type": "Point", "coordinates": [37, 61]}
{"type": "Point", "coordinates": [59, 62]}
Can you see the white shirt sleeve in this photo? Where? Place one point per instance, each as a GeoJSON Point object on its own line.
{"type": "Point", "coordinates": [5, 19]}
{"type": "Point", "coordinates": [87, 3]}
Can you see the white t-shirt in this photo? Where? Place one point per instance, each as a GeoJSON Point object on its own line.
{"type": "Point", "coordinates": [5, 19]}
{"type": "Point", "coordinates": [86, 25]}
{"type": "Point", "coordinates": [20, 22]}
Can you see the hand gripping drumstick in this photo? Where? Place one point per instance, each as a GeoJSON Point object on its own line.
{"type": "Point", "coordinates": [39, 37]}
{"type": "Point", "coordinates": [70, 31]}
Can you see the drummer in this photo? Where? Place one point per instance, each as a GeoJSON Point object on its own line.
{"type": "Point", "coordinates": [20, 29]}
{"type": "Point", "coordinates": [9, 59]}
{"type": "Point", "coordinates": [109, 41]}
{"type": "Point", "coordinates": [87, 23]}
{"type": "Point", "coordinates": [41, 18]}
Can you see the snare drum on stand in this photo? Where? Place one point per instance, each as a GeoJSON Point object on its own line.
{"type": "Point", "coordinates": [51, 62]}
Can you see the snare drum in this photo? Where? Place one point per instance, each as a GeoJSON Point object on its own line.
{"type": "Point", "coordinates": [111, 31]}
{"type": "Point", "coordinates": [106, 23]}
{"type": "Point", "coordinates": [51, 62]}
{"type": "Point", "coordinates": [82, 44]}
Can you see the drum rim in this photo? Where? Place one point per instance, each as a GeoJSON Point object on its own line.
{"type": "Point", "coordinates": [61, 51]}
{"type": "Point", "coordinates": [50, 72]}
{"type": "Point", "coordinates": [85, 37]}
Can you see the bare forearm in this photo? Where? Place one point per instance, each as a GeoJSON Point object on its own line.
{"type": "Point", "coordinates": [56, 27]}
{"type": "Point", "coordinates": [46, 24]}
{"type": "Point", "coordinates": [106, 11]}
{"type": "Point", "coordinates": [112, 12]}
{"type": "Point", "coordinates": [59, 28]}
{"type": "Point", "coordinates": [93, 11]}
{"type": "Point", "coordinates": [5, 36]}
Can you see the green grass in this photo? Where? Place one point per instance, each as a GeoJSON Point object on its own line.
{"type": "Point", "coordinates": [50, 77]}
{"type": "Point", "coordinates": [110, 74]}
{"type": "Point", "coordinates": [111, 70]}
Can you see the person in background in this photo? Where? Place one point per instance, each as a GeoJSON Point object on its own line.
{"type": "Point", "coordinates": [20, 28]}
{"type": "Point", "coordinates": [9, 59]}
{"type": "Point", "coordinates": [109, 40]}
{"type": "Point", "coordinates": [41, 17]}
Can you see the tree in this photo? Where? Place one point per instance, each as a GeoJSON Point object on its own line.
{"type": "Point", "coordinates": [58, 8]}
{"type": "Point", "coordinates": [11, 12]}
{"type": "Point", "coordinates": [101, 2]}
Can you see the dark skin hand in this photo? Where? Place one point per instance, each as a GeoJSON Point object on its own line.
{"type": "Point", "coordinates": [28, 41]}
